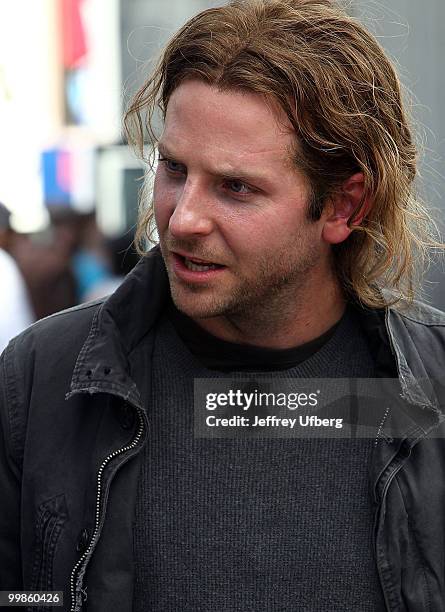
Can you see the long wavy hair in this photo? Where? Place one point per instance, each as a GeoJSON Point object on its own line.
{"type": "Point", "coordinates": [343, 98]}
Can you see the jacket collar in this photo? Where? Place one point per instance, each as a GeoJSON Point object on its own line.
{"type": "Point", "coordinates": [411, 334]}
{"type": "Point", "coordinates": [118, 326]}
{"type": "Point", "coordinates": [131, 312]}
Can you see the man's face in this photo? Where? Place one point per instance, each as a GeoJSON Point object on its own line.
{"type": "Point", "coordinates": [230, 208]}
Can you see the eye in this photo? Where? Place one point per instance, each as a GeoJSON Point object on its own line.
{"type": "Point", "coordinates": [238, 187]}
{"type": "Point", "coordinates": [172, 166]}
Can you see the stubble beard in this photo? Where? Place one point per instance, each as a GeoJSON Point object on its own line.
{"type": "Point", "coordinates": [276, 291]}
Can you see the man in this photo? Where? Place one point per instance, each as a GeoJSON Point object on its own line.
{"type": "Point", "coordinates": [288, 231]}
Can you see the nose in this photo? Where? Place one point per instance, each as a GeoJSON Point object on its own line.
{"type": "Point", "coordinates": [192, 214]}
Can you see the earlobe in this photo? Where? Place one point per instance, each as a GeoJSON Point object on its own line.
{"type": "Point", "coordinates": [336, 230]}
{"type": "Point", "coordinates": [342, 207]}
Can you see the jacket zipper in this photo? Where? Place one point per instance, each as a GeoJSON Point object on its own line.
{"type": "Point", "coordinates": [75, 604]}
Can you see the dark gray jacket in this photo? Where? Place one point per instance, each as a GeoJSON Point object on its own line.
{"type": "Point", "coordinates": [73, 424]}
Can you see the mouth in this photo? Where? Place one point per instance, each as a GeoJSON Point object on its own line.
{"type": "Point", "coordinates": [199, 267]}
{"type": "Point", "coordinates": [194, 268]}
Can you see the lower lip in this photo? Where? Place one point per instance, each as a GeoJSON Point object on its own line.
{"type": "Point", "coordinates": [194, 276]}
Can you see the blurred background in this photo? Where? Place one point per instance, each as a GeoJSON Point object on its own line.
{"type": "Point", "coordinates": [67, 71]}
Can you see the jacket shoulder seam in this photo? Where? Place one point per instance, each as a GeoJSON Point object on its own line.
{"type": "Point", "coordinates": [86, 306]}
{"type": "Point", "coordinates": [423, 314]}
{"type": "Point", "coordinates": [432, 322]}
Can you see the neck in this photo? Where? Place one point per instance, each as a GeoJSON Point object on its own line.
{"type": "Point", "coordinates": [301, 321]}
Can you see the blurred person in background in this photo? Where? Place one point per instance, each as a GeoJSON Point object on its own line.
{"type": "Point", "coordinates": [62, 266]}
{"type": "Point", "coordinates": [46, 264]}
{"type": "Point", "coordinates": [90, 258]}
{"type": "Point", "coordinates": [289, 238]}
{"type": "Point", "coordinates": [15, 309]}
{"type": "Point", "coordinates": [122, 257]}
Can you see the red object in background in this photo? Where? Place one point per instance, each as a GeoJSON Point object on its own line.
{"type": "Point", "coordinates": [74, 44]}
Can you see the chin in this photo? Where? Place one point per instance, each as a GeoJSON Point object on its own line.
{"type": "Point", "coordinates": [197, 306]}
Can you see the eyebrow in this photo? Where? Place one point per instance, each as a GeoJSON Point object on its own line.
{"type": "Point", "coordinates": [223, 172]}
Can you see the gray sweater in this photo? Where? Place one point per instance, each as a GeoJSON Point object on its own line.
{"type": "Point", "coordinates": [252, 524]}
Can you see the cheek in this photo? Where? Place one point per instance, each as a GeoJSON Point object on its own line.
{"type": "Point", "coordinates": [249, 236]}
{"type": "Point", "coordinates": [163, 202]}
{"type": "Point", "coordinates": [254, 227]}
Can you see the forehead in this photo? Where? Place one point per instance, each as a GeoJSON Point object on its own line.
{"type": "Point", "coordinates": [215, 122]}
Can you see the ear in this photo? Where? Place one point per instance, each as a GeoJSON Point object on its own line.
{"type": "Point", "coordinates": [342, 206]}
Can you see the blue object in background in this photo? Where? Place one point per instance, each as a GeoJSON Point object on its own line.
{"type": "Point", "coordinates": [56, 177]}
{"type": "Point", "coordinates": [89, 271]}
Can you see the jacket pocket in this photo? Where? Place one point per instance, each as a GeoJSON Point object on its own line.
{"type": "Point", "coordinates": [51, 517]}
